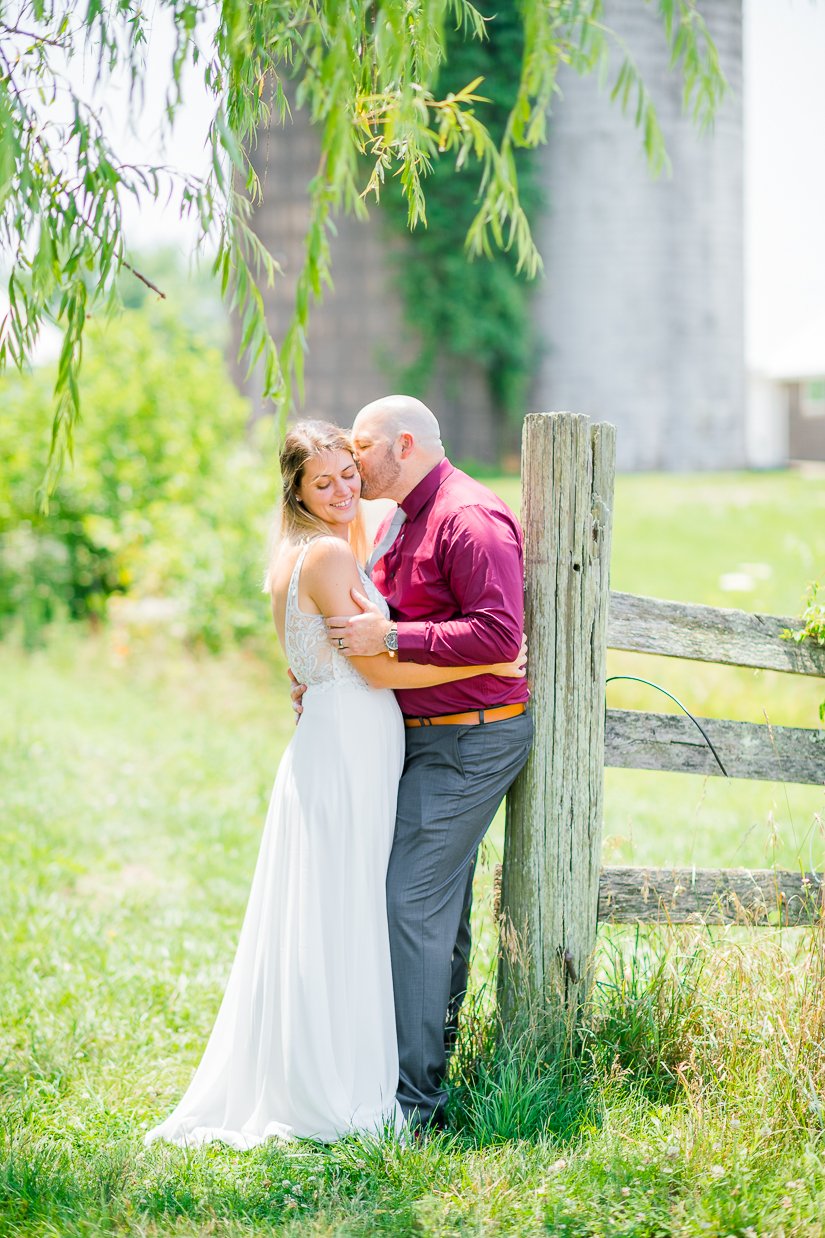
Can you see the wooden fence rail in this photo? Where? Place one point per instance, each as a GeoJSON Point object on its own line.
{"type": "Point", "coordinates": [688, 895]}
{"type": "Point", "coordinates": [554, 892]}
{"type": "Point", "coordinates": [635, 740]}
{"type": "Point", "coordinates": [709, 896]}
{"type": "Point", "coordinates": [708, 634]}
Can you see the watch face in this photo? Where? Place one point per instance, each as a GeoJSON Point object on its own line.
{"type": "Point", "coordinates": [391, 639]}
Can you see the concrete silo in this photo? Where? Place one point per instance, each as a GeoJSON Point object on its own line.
{"type": "Point", "coordinates": [641, 313]}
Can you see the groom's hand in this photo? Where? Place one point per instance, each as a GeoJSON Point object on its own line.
{"type": "Point", "coordinates": [360, 636]}
{"type": "Point", "coordinates": [296, 692]}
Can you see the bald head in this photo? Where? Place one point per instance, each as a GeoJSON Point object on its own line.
{"type": "Point", "coordinates": [397, 441]}
{"type": "Point", "coordinates": [400, 414]}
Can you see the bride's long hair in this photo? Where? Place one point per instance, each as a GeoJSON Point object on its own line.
{"type": "Point", "coordinates": [293, 522]}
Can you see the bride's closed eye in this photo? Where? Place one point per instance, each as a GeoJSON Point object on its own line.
{"type": "Point", "coordinates": [348, 476]}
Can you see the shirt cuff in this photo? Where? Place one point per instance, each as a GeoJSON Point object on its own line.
{"type": "Point", "coordinates": [412, 642]}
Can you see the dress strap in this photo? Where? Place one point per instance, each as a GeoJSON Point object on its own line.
{"type": "Point", "coordinates": [292, 591]}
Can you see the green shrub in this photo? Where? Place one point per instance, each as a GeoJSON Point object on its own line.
{"type": "Point", "coordinates": [166, 498]}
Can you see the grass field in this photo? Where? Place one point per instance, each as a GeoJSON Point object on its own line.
{"type": "Point", "coordinates": [134, 781]}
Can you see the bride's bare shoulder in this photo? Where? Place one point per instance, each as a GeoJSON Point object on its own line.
{"type": "Point", "coordinates": [328, 552]}
{"type": "Point", "coordinates": [329, 572]}
{"type": "Point", "coordinates": [328, 563]}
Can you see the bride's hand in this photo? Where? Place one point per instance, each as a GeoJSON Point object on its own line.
{"type": "Point", "coordinates": [517, 669]}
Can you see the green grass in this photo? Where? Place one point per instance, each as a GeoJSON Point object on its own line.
{"type": "Point", "coordinates": [133, 787]}
{"type": "Point", "coordinates": [678, 536]}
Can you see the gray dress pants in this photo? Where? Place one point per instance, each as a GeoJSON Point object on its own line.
{"type": "Point", "coordinates": [454, 779]}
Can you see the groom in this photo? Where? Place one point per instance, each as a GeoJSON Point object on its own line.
{"type": "Point", "coordinates": [450, 565]}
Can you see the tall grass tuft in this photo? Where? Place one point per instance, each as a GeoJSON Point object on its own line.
{"type": "Point", "coordinates": [714, 1028]}
{"type": "Point", "coordinates": [731, 1023]}
{"type": "Point", "coordinates": [646, 1009]}
{"type": "Point", "coordinates": [521, 1082]}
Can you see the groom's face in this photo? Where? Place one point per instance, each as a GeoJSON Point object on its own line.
{"type": "Point", "coordinates": [377, 458]}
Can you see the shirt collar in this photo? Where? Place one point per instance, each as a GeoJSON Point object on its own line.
{"type": "Point", "coordinates": [420, 495]}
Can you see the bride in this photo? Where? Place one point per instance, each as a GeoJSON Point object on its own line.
{"type": "Point", "coordinates": [304, 1042]}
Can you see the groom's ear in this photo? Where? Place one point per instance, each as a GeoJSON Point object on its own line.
{"type": "Point", "coordinates": [407, 445]}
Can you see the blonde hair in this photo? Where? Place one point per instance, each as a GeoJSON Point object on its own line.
{"type": "Point", "coordinates": [305, 441]}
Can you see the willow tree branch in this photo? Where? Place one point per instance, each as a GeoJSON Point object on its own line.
{"type": "Point", "coordinates": [32, 35]}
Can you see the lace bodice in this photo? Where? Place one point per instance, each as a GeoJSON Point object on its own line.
{"type": "Point", "coordinates": [311, 657]}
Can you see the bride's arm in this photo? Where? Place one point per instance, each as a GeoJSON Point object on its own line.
{"type": "Point", "coordinates": [329, 575]}
{"type": "Point", "coordinates": [382, 671]}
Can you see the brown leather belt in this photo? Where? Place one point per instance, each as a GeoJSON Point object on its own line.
{"type": "Point", "coordinates": [474, 717]}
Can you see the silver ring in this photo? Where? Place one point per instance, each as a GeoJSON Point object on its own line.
{"type": "Point", "coordinates": [340, 642]}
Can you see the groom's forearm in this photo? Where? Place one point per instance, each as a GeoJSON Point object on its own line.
{"type": "Point", "coordinates": [471, 640]}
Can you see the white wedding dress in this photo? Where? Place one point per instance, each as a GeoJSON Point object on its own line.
{"type": "Point", "coordinates": [304, 1043]}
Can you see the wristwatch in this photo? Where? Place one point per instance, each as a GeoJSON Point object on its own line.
{"type": "Point", "coordinates": [391, 640]}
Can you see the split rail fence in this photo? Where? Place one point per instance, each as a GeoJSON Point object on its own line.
{"type": "Point", "coordinates": [554, 891]}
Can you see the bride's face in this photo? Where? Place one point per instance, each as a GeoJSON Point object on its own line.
{"type": "Point", "coordinates": [331, 488]}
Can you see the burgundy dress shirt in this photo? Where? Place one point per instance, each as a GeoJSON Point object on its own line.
{"type": "Point", "coordinates": [454, 581]}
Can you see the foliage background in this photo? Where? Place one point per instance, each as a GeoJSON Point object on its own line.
{"type": "Point", "coordinates": [365, 71]}
{"type": "Point", "coordinates": [168, 500]}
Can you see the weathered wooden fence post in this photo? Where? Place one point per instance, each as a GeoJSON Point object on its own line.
{"type": "Point", "coordinates": [552, 850]}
